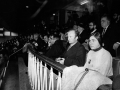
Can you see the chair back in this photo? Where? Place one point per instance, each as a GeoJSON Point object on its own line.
{"type": "Point", "coordinates": [116, 66]}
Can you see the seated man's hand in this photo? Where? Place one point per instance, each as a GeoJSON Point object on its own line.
{"type": "Point", "coordinates": [57, 59]}
{"type": "Point", "coordinates": [116, 45]}
{"type": "Point", "coordinates": [60, 60]}
{"type": "Point", "coordinates": [87, 41]}
{"type": "Point", "coordinates": [40, 52]}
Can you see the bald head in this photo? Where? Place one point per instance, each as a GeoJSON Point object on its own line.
{"type": "Point", "coordinates": [72, 36]}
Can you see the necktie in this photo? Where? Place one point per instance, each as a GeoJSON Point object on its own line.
{"type": "Point", "coordinates": [103, 31]}
{"type": "Point", "coordinates": [68, 47]}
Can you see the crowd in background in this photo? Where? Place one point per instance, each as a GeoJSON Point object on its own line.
{"type": "Point", "coordinates": [45, 37]}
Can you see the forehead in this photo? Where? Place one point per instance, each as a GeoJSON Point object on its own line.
{"type": "Point", "coordinates": [51, 36]}
{"type": "Point", "coordinates": [35, 34]}
{"type": "Point", "coordinates": [45, 36]}
{"type": "Point", "coordinates": [91, 23]}
{"type": "Point", "coordinates": [71, 33]}
{"type": "Point", "coordinates": [80, 27]}
{"type": "Point", "coordinates": [74, 25]}
{"type": "Point", "coordinates": [104, 19]}
{"type": "Point", "coordinates": [92, 38]}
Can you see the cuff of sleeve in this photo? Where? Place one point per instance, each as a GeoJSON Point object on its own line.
{"type": "Point", "coordinates": [118, 42]}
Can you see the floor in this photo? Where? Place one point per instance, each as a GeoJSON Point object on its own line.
{"type": "Point", "coordinates": [16, 77]}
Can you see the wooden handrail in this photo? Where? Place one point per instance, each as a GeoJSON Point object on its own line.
{"type": "Point", "coordinates": [45, 59]}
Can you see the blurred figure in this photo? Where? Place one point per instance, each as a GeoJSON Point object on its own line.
{"type": "Point", "coordinates": [92, 27]}
{"type": "Point", "coordinates": [45, 38]}
{"type": "Point", "coordinates": [75, 27]}
{"type": "Point", "coordinates": [108, 34]}
{"type": "Point", "coordinates": [63, 37]}
{"type": "Point", "coordinates": [56, 47]}
{"type": "Point", "coordinates": [83, 33]}
{"type": "Point", "coordinates": [37, 42]}
{"type": "Point", "coordinates": [80, 29]}
{"type": "Point", "coordinates": [116, 47]}
{"type": "Point", "coordinates": [116, 18]}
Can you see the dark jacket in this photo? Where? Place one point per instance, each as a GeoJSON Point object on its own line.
{"type": "Point", "coordinates": [109, 38]}
{"type": "Point", "coordinates": [56, 50]}
{"type": "Point", "coordinates": [75, 55]}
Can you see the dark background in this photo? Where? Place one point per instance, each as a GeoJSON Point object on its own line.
{"type": "Point", "coordinates": [15, 16]}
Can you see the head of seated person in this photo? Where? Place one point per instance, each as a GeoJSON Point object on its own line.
{"type": "Point", "coordinates": [72, 36]}
{"type": "Point", "coordinates": [95, 41]}
{"type": "Point", "coordinates": [53, 38]}
{"type": "Point", "coordinates": [45, 38]}
{"type": "Point", "coordinates": [1, 59]}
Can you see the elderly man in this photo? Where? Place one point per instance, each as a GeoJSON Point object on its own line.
{"type": "Point", "coordinates": [108, 33]}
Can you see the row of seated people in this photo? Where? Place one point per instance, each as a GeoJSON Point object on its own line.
{"type": "Point", "coordinates": [98, 61]}
{"type": "Point", "coordinates": [98, 58]}
{"type": "Point", "coordinates": [73, 55]}
{"type": "Point", "coordinates": [70, 54]}
{"type": "Point", "coordinates": [108, 29]}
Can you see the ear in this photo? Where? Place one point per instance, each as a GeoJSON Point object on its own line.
{"type": "Point", "coordinates": [76, 37]}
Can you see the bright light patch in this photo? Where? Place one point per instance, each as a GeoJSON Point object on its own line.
{"type": "Point", "coordinates": [14, 34]}
{"type": "Point", "coordinates": [7, 33]}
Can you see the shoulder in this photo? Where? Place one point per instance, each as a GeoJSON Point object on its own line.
{"type": "Point", "coordinates": [90, 52]}
{"type": "Point", "coordinates": [102, 51]}
{"type": "Point", "coordinates": [79, 45]}
{"type": "Point", "coordinates": [105, 52]}
{"type": "Point", "coordinates": [80, 48]}
{"type": "Point", "coordinates": [58, 42]}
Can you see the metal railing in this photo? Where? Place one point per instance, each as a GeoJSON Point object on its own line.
{"type": "Point", "coordinates": [44, 73]}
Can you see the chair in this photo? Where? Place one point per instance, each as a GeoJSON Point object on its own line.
{"type": "Point", "coordinates": [117, 50]}
{"type": "Point", "coordinates": [116, 72]}
{"type": "Point", "coordinates": [116, 66]}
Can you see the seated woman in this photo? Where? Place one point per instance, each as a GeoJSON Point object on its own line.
{"type": "Point", "coordinates": [94, 73]}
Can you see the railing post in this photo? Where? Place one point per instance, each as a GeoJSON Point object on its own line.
{"type": "Point", "coordinates": [59, 81]}
{"type": "Point", "coordinates": [38, 74]}
{"type": "Point", "coordinates": [51, 82]}
{"type": "Point", "coordinates": [45, 78]}
{"type": "Point", "coordinates": [41, 74]}
{"type": "Point", "coordinates": [40, 77]}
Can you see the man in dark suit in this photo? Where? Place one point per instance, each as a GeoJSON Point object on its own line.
{"type": "Point", "coordinates": [56, 49]}
{"type": "Point", "coordinates": [76, 53]}
{"type": "Point", "coordinates": [108, 34]}
{"type": "Point", "coordinates": [92, 28]}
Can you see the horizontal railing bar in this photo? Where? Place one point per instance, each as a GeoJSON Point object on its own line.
{"type": "Point", "coordinates": [16, 52]}
{"type": "Point", "coordinates": [47, 60]}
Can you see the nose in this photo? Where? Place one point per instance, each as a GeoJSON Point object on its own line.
{"type": "Point", "coordinates": [68, 38]}
{"type": "Point", "coordinates": [90, 43]}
